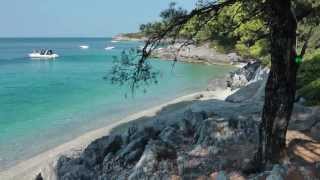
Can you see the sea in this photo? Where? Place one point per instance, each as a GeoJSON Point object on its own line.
{"type": "Point", "coordinates": [45, 103]}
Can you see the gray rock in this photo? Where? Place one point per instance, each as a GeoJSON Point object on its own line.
{"type": "Point", "coordinates": [191, 120]}
{"type": "Point", "coordinates": [315, 131]}
{"type": "Point", "coordinates": [243, 76]}
{"type": "Point", "coordinates": [237, 81]}
{"type": "Point", "coordinates": [250, 92]}
{"type": "Point", "coordinates": [191, 53]}
{"type": "Point", "coordinates": [137, 144]}
{"type": "Point", "coordinates": [132, 130]}
{"type": "Point", "coordinates": [304, 118]}
{"type": "Point", "coordinates": [195, 118]}
{"type": "Point", "coordinates": [147, 167]}
{"type": "Point", "coordinates": [73, 169]}
{"type": "Point", "coordinates": [78, 172]}
{"type": "Point", "coordinates": [278, 173]}
{"type": "Point", "coordinates": [171, 136]}
{"type": "Point", "coordinates": [213, 131]}
{"type": "Point", "coordinates": [150, 132]}
{"type": "Point", "coordinates": [98, 149]}
{"type": "Point", "coordinates": [119, 165]}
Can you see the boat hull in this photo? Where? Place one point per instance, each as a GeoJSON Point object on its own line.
{"type": "Point", "coordinates": [39, 56]}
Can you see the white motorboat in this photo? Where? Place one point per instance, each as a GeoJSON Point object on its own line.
{"type": "Point", "coordinates": [114, 41]}
{"type": "Point", "coordinates": [44, 54]}
{"type": "Point", "coordinates": [109, 48]}
{"type": "Point", "coordinates": [84, 47]}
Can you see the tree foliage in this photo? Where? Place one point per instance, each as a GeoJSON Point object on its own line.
{"type": "Point", "coordinates": [124, 71]}
{"type": "Point", "coordinates": [240, 27]}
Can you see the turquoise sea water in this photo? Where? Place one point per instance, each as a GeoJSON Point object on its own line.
{"type": "Point", "coordinates": [46, 103]}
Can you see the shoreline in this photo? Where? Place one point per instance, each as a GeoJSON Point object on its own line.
{"type": "Point", "coordinates": [203, 62]}
{"type": "Point", "coordinates": [45, 162]}
{"type": "Point", "coordinates": [195, 54]}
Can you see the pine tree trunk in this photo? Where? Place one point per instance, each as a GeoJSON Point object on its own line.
{"type": "Point", "coordinates": [281, 85]}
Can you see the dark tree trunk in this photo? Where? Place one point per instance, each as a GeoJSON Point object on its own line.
{"type": "Point", "coordinates": [281, 85]}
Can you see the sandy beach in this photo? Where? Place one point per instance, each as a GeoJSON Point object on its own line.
{"type": "Point", "coordinates": [46, 161]}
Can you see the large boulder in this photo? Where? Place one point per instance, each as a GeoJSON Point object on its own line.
{"type": "Point", "coordinates": [133, 151]}
{"type": "Point", "coordinates": [73, 169]}
{"type": "Point", "coordinates": [213, 131]}
{"type": "Point", "coordinates": [252, 92]}
{"type": "Point", "coordinates": [155, 163]}
{"type": "Point", "coordinates": [221, 131]}
{"type": "Point", "coordinates": [98, 149]}
{"type": "Point", "coordinates": [243, 76]}
{"type": "Point", "coordinates": [90, 161]}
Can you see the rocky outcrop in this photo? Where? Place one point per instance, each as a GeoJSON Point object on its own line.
{"type": "Point", "coordinates": [195, 54]}
{"type": "Point", "coordinates": [159, 154]}
{"type": "Point", "coordinates": [157, 162]}
{"type": "Point", "coordinates": [129, 37]}
{"type": "Point", "coordinates": [251, 72]}
{"type": "Point", "coordinates": [252, 92]}
{"type": "Point", "coordinates": [85, 166]}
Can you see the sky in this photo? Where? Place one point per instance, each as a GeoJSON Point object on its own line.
{"type": "Point", "coordinates": [78, 18]}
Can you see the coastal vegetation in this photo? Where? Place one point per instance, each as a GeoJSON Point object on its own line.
{"type": "Point", "coordinates": [238, 29]}
{"type": "Point", "coordinates": [261, 29]}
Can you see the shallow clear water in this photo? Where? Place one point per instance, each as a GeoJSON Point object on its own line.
{"type": "Point", "coordinates": [45, 103]}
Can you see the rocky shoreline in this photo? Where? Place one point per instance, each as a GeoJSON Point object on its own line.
{"type": "Point", "coordinates": [200, 54]}
{"type": "Point", "coordinates": [207, 139]}
{"type": "Point", "coordinates": [203, 54]}
{"type": "Point", "coordinates": [128, 37]}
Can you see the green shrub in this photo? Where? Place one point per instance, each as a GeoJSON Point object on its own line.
{"type": "Point", "coordinates": [311, 92]}
{"type": "Point", "coordinates": [309, 71]}
{"type": "Point", "coordinates": [308, 80]}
